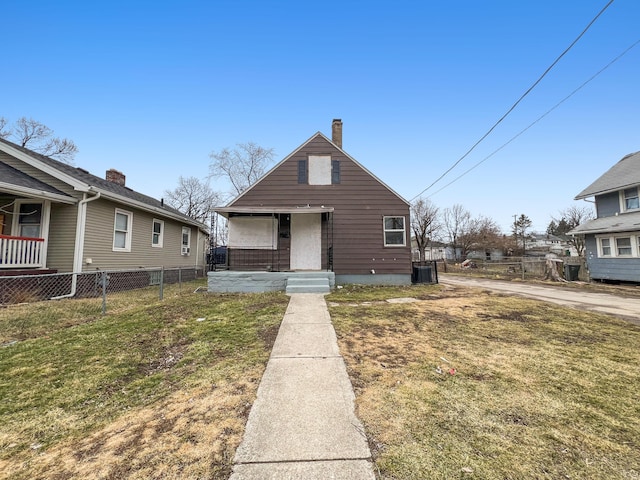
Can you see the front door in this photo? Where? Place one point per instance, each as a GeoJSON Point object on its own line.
{"type": "Point", "coordinates": [306, 241]}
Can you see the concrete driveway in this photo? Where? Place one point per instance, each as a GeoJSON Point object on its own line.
{"type": "Point", "coordinates": [626, 308]}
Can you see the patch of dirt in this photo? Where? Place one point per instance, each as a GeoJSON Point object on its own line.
{"type": "Point", "coordinates": [169, 357]}
{"type": "Point", "coordinates": [268, 334]}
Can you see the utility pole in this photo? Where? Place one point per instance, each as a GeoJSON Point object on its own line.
{"type": "Point", "coordinates": [515, 228]}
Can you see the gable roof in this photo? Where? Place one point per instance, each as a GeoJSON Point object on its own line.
{"type": "Point", "coordinates": [83, 181]}
{"type": "Point", "coordinates": [317, 134]}
{"type": "Point", "coordinates": [624, 174]}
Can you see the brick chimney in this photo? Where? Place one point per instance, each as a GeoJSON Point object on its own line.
{"type": "Point", "coordinates": [336, 132]}
{"type": "Point", "coordinates": [116, 177]}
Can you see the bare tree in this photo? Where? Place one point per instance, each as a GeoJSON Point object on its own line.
{"type": "Point", "coordinates": [456, 220]}
{"type": "Point", "coordinates": [570, 218]}
{"type": "Point", "coordinates": [242, 166]}
{"type": "Point", "coordinates": [194, 198]}
{"type": "Point", "coordinates": [481, 234]}
{"type": "Point", "coordinates": [36, 136]}
{"type": "Point", "coordinates": [3, 125]}
{"type": "Point", "coordinates": [424, 223]}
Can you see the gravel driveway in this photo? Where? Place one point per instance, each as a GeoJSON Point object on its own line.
{"type": "Point", "coordinates": [626, 308]}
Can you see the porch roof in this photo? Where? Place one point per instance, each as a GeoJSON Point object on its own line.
{"type": "Point", "coordinates": [305, 209]}
{"type": "Point", "coordinates": [625, 222]}
{"type": "Point", "coordinates": [16, 182]}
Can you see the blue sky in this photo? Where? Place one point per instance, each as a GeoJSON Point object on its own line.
{"type": "Point", "coordinates": [151, 88]}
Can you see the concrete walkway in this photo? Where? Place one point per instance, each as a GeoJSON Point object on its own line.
{"type": "Point", "coordinates": [302, 424]}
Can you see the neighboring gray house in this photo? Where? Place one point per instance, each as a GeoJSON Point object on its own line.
{"type": "Point", "coordinates": [613, 238]}
{"type": "Point", "coordinates": [58, 218]}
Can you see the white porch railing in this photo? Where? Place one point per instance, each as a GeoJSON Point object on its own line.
{"type": "Point", "coordinates": [21, 252]}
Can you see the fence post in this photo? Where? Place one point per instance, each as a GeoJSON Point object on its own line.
{"type": "Point", "coordinates": [523, 268]}
{"type": "Point", "coordinates": [104, 293]}
{"type": "Point", "coordinates": [161, 283]}
{"type": "Point", "coordinates": [179, 278]}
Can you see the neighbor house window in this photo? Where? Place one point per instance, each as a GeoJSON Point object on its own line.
{"type": "Point", "coordinates": [623, 246]}
{"type": "Point", "coordinates": [122, 231]}
{"type": "Point", "coordinates": [394, 232]}
{"type": "Point", "coordinates": [186, 241]}
{"type": "Point", "coordinates": [605, 247]}
{"type": "Point", "coordinates": [631, 201]}
{"type": "Point", "coordinates": [30, 220]}
{"type": "Point", "coordinates": [157, 234]}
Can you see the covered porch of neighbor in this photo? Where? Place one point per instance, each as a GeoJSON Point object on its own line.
{"type": "Point", "coordinates": [24, 234]}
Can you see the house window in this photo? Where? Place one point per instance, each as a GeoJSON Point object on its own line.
{"type": "Point", "coordinates": [623, 246]}
{"type": "Point", "coordinates": [157, 234]}
{"type": "Point", "coordinates": [335, 172]}
{"type": "Point", "coordinates": [29, 220]}
{"type": "Point", "coordinates": [186, 241]}
{"type": "Point", "coordinates": [319, 170]}
{"type": "Point", "coordinates": [302, 171]}
{"type": "Point", "coordinates": [605, 247]}
{"type": "Point", "coordinates": [122, 231]}
{"type": "Point", "coordinates": [394, 232]}
{"type": "Point", "coordinates": [631, 201]}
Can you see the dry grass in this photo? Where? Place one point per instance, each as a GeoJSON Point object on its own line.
{"type": "Point", "coordinates": [539, 391]}
{"type": "Point", "coordinates": [148, 391]}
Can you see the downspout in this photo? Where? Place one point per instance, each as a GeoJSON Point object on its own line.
{"type": "Point", "coordinates": [78, 251]}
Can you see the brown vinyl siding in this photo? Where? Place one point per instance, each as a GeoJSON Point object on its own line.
{"type": "Point", "coordinates": [62, 237]}
{"type": "Point", "coordinates": [360, 202]}
{"type": "Point", "coordinates": [99, 240]}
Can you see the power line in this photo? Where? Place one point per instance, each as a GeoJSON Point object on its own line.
{"type": "Point", "coordinates": [519, 100]}
{"type": "Point", "coordinates": [538, 119]}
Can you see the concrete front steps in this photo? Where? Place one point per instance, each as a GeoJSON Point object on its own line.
{"type": "Point", "coordinates": [308, 284]}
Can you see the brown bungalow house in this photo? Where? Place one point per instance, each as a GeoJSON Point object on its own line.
{"type": "Point", "coordinates": [316, 218]}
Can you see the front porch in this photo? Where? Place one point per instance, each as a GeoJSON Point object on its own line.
{"type": "Point", "coordinates": [230, 281]}
{"type": "Point", "coordinates": [21, 252]}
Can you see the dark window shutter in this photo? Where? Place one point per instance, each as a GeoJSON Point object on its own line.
{"type": "Point", "coordinates": [302, 171]}
{"type": "Point", "coordinates": [335, 171]}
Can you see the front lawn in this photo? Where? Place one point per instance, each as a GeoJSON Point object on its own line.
{"type": "Point", "coordinates": [155, 389]}
{"type": "Point", "coordinates": [469, 384]}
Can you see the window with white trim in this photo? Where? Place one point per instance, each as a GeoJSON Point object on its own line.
{"type": "Point", "coordinates": [623, 247]}
{"type": "Point", "coordinates": [631, 200]}
{"type": "Point", "coordinates": [185, 248]}
{"type": "Point", "coordinates": [157, 233]}
{"type": "Point", "coordinates": [122, 228]}
{"type": "Point", "coordinates": [394, 232]}
{"type": "Point", "coordinates": [605, 247]}
{"type": "Point", "coordinates": [618, 246]}
{"type": "Point", "coordinates": [29, 220]}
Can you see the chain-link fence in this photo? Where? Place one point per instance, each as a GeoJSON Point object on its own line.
{"type": "Point", "coordinates": [525, 268]}
{"type": "Point", "coordinates": [99, 284]}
